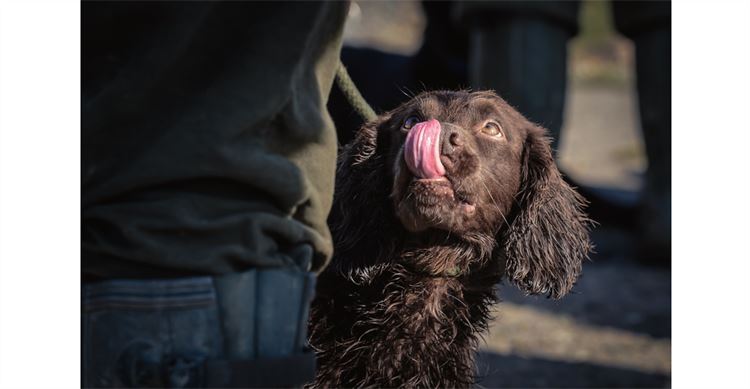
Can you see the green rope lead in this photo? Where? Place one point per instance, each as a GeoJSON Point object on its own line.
{"type": "Point", "coordinates": [350, 91]}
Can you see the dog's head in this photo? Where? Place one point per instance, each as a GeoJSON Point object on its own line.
{"type": "Point", "coordinates": [467, 166]}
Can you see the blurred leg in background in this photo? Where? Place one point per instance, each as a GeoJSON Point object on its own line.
{"type": "Point", "coordinates": [519, 49]}
{"type": "Point", "coordinates": [648, 25]}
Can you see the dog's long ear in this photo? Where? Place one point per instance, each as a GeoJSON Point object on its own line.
{"type": "Point", "coordinates": [547, 240]}
{"type": "Point", "coordinates": [361, 197]}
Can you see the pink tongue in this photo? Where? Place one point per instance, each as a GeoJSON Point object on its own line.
{"type": "Point", "coordinates": [422, 150]}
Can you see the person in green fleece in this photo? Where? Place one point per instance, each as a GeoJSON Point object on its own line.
{"type": "Point", "coordinates": [208, 163]}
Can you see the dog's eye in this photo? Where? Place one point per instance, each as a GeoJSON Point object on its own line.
{"type": "Point", "coordinates": [410, 122]}
{"type": "Point", "coordinates": [492, 128]}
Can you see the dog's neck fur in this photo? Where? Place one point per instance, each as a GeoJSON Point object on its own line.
{"type": "Point", "coordinates": [404, 327]}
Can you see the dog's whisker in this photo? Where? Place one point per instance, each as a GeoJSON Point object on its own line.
{"type": "Point", "coordinates": [406, 92]}
{"type": "Point", "coordinates": [499, 210]}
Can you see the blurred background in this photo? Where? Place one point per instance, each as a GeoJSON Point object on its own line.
{"type": "Point", "coordinates": [614, 329]}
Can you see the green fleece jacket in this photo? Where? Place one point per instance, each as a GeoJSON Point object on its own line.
{"type": "Point", "coordinates": [206, 144]}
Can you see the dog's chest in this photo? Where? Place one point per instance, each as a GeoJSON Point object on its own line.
{"type": "Point", "coordinates": [416, 329]}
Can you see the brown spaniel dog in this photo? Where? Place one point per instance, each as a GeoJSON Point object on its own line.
{"type": "Point", "coordinates": [435, 202]}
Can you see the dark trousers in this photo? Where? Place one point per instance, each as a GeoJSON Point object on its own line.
{"type": "Point", "coordinates": [238, 330]}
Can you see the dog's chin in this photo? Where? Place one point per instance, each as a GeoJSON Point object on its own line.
{"type": "Point", "coordinates": [433, 203]}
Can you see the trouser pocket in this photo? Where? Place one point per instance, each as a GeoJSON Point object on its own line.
{"type": "Point", "coordinates": [235, 330]}
{"type": "Point", "coordinates": [149, 333]}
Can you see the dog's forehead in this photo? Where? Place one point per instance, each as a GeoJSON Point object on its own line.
{"type": "Point", "coordinates": [459, 105]}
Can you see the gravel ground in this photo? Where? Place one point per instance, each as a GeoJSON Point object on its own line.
{"type": "Point", "coordinates": [612, 331]}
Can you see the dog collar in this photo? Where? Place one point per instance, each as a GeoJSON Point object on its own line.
{"type": "Point", "coordinates": [453, 272]}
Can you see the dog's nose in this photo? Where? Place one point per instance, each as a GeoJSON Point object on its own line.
{"type": "Point", "coordinates": [451, 140]}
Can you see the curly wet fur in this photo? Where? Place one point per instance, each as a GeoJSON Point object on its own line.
{"type": "Point", "coordinates": [388, 311]}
